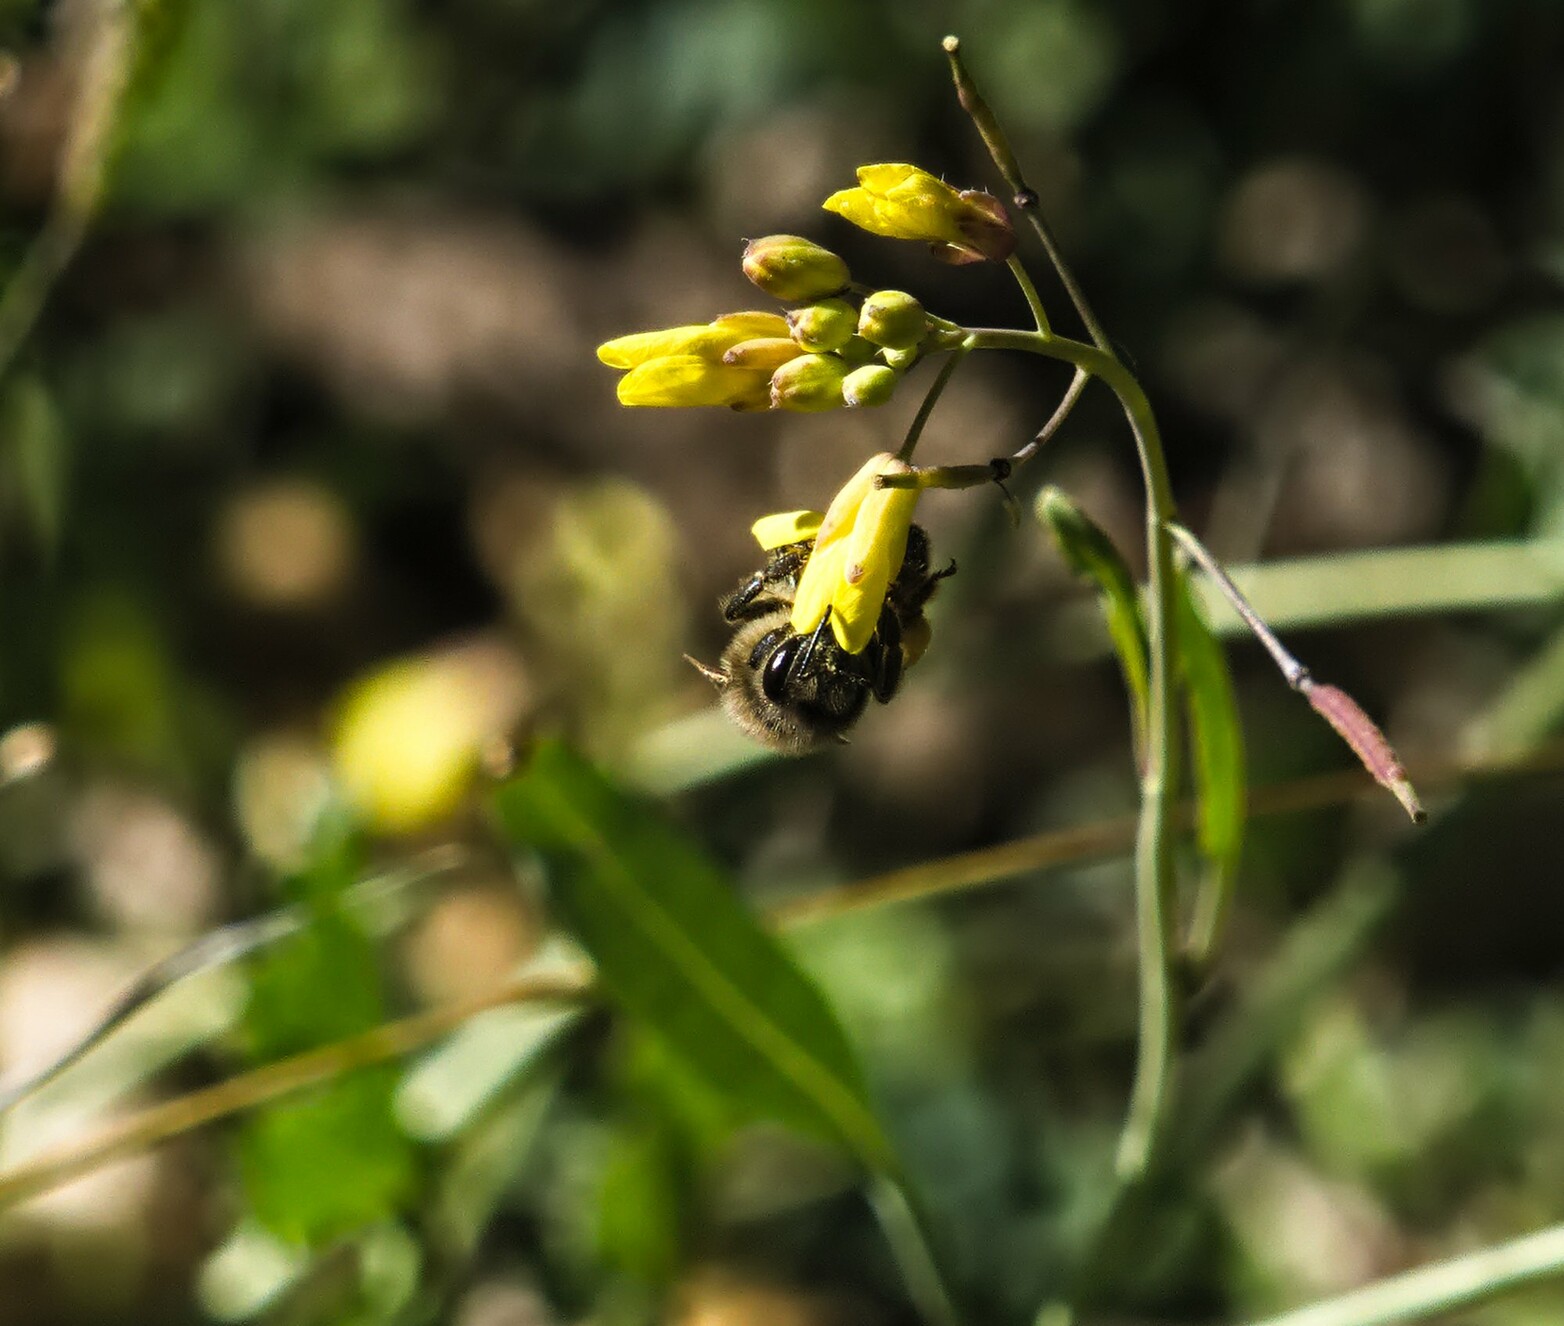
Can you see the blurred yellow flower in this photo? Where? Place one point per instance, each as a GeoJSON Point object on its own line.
{"type": "Point", "coordinates": [904, 202]}
{"type": "Point", "coordinates": [858, 550]}
{"type": "Point", "coordinates": [690, 365]}
{"type": "Point", "coordinates": [409, 737]}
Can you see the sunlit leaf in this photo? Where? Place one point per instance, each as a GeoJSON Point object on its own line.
{"type": "Point", "coordinates": [1217, 739]}
{"type": "Point", "coordinates": [677, 950]}
{"type": "Point", "coordinates": [1089, 552]}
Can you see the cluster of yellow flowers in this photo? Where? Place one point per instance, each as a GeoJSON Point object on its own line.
{"type": "Point", "coordinates": [824, 353]}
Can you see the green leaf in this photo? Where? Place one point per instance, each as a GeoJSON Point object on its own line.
{"type": "Point", "coordinates": [329, 1163]}
{"type": "Point", "coordinates": [676, 949]}
{"type": "Point", "coordinates": [334, 1161]}
{"type": "Point", "coordinates": [1089, 552]}
{"type": "Point", "coordinates": [1217, 738]}
{"type": "Point", "coordinates": [33, 460]}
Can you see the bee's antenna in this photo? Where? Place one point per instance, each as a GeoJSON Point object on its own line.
{"type": "Point", "coordinates": [716, 676]}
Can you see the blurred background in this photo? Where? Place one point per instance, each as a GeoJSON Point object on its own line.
{"type": "Point", "coordinates": [313, 494]}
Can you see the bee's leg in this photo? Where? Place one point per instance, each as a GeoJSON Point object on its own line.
{"type": "Point", "coordinates": [886, 664]}
{"type": "Point", "coordinates": [806, 655]}
{"type": "Point", "coordinates": [749, 600]}
{"type": "Point", "coordinates": [733, 605]}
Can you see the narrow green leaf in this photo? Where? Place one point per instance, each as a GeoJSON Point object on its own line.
{"type": "Point", "coordinates": [34, 449]}
{"type": "Point", "coordinates": [1089, 552]}
{"type": "Point", "coordinates": [1220, 775]}
{"type": "Point", "coordinates": [677, 950]}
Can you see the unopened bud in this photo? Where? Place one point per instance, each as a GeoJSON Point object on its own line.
{"type": "Point", "coordinates": [872, 384]}
{"type": "Point", "coordinates": [858, 351]}
{"type": "Point", "coordinates": [791, 267]}
{"type": "Point", "coordinates": [893, 319]}
{"type": "Point", "coordinates": [823, 327]}
{"type": "Point", "coordinates": [764, 352]}
{"type": "Point", "coordinates": [808, 383]}
{"type": "Point", "coordinates": [901, 360]}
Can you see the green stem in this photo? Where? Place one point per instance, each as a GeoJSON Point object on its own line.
{"type": "Point", "coordinates": [1440, 1288]}
{"type": "Point", "coordinates": [1029, 290]}
{"type": "Point", "coordinates": [84, 156]}
{"type": "Point", "coordinates": [1022, 194]}
{"type": "Point", "coordinates": [906, 1231]}
{"type": "Point", "coordinates": [1154, 879]}
{"type": "Point", "coordinates": [936, 389]}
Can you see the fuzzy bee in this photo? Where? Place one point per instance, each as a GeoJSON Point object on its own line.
{"type": "Point", "coordinates": [795, 692]}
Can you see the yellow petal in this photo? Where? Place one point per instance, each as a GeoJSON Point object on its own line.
{"type": "Point", "coordinates": [638, 347]}
{"type": "Point", "coordinates": [685, 380]}
{"type": "Point", "coordinates": [784, 528]}
{"type": "Point", "coordinates": [884, 176]}
{"type": "Point", "coordinates": [816, 587]}
{"type": "Point", "coordinates": [764, 352]}
{"type": "Point", "coordinates": [843, 511]}
{"type": "Point", "coordinates": [751, 326]}
{"type": "Point", "coordinates": [857, 206]}
{"type": "Point", "coordinates": [871, 557]}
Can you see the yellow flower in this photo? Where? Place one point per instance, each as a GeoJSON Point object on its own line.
{"type": "Point", "coordinates": [904, 202]}
{"type": "Point", "coordinates": [408, 737]}
{"type": "Point", "coordinates": [858, 550]}
{"type": "Point", "coordinates": [773, 532]}
{"type": "Point", "coordinates": [689, 365]}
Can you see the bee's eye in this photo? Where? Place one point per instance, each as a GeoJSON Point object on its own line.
{"type": "Point", "coordinates": [773, 678]}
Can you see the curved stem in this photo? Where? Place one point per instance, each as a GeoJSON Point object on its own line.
{"type": "Point", "coordinates": [1072, 394]}
{"type": "Point", "coordinates": [1154, 880]}
{"type": "Point", "coordinates": [1029, 290]}
{"type": "Point", "coordinates": [936, 388]}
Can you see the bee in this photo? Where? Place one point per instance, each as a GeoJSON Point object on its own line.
{"type": "Point", "coordinates": [796, 693]}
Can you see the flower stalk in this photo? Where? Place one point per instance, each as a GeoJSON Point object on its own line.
{"type": "Point", "coordinates": [1154, 878]}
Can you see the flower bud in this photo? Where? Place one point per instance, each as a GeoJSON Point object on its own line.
{"type": "Point", "coordinates": [904, 202]}
{"type": "Point", "coordinates": [858, 351]}
{"type": "Point", "coordinates": [823, 327]}
{"type": "Point", "coordinates": [808, 383]}
{"type": "Point", "coordinates": [900, 360]}
{"type": "Point", "coordinates": [767, 352]}
{"type": "Point", "coordinates": [870, 385]}
{"type": "Point", "coordinates": [791, 267]}
{"type": "Point", "coordinates": [893, 319]}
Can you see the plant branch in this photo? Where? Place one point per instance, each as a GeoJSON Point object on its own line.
{"type": "Point", "coordinates": [158, 1123]}
{"type": "Point", "coordinates": [1153, 853]}
{"type": "Point", "coordinates": [931, 399]}
{"type": "Point", "coordinates": [1332, 703]}
{"type": "Point", "coordinates": [1066, 404]}
{"type": "Point", "coordinates": [1023, 195]}
{"type": "Point", "coordinates": [105, 73]}
{"type": "Point", "coordinates": [1034, 301]}
{"type": "Point", "coordinates": [1443, 1287]}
